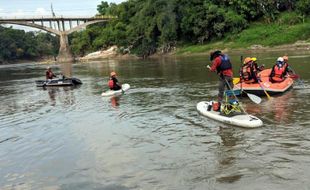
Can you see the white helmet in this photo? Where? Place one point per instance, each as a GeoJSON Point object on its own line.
{"type": "Point", "coordinates": [280, 59]}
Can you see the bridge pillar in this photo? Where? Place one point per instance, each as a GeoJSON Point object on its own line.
{"type": "Point", "coordinates": [64, 54]}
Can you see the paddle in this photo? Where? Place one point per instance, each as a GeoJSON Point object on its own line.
{"type": "Point", "coordinates": [294, 76]}
{"type": "Point", "coordinates": [236, 80]}
{"type": "Point", "coordinates": [252, 97]}
{"type": "Point", "coordinates": [268, 96]}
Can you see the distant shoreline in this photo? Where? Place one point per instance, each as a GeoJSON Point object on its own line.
{"type": "Point", "coordinates": [298, 46]}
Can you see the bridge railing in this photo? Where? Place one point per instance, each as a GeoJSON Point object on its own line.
{"type": "Point", "coordinates": [57, 17]}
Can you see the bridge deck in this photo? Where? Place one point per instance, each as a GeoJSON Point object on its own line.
{"type": "Point", "coordinates": [47, 19]}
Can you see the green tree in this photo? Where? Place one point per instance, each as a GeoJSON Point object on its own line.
{"type": "Point", "coordinates": [303, 7]}
{"type": "Point", "coordinates": [103, 8]}
{"type": "Point", "coordinates": [18, 44]}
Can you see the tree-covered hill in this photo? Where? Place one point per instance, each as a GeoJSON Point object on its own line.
{"type": "Point", "coordinates": [18, 44]}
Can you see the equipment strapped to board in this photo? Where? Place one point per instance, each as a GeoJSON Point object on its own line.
{"type": "Point", "coordinates": [231, 105]}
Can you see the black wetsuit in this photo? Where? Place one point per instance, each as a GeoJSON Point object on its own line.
{"type": "Point", "coordinates": [116, 86]}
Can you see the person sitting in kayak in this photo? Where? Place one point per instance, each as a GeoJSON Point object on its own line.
{"type": "Point", "coordinates": [49, 74]}
{"type": "Point", "coordinates": [113, 82]}
{"type": "Point", "coordinates": [249, 70]}
{"type": "Point", "coordinates": [279, 71]}
{"type": "Point", "coordinates": [222, 65]}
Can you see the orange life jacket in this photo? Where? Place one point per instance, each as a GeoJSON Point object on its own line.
{"type": "Point", "coordinates": [279, 73]}
{"type": "Point", "coordinates": [247, 72]}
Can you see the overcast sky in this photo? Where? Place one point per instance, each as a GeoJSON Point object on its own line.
{"type": "Point", "coordinates": [20, 8]}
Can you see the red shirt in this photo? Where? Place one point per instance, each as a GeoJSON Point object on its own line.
{"type": "Point", "coordinates": [49, 74]}
{"type": "Point", "coordinates": [216, 63]}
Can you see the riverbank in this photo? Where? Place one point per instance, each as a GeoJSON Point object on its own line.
{"type": "Point", "coordinates": [259, 37]}
{"type": "Point", "coordinates": [110, 53]}
{"type": "Point", "coordinates": [302, 46]}
{"type": "Point", "coordinates": [43, 60]}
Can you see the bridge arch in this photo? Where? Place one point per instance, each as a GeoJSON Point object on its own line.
{"type": "Point", "coordinates": [33, 25]}
{"type": "Point", "coordinates": [64, 54]}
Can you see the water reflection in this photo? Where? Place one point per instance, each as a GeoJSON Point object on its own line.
{"type": "Point", "coordinates": [52, 95]}
{"type": "Point", "coordinates": [227, 154]}
{"type": "Point", "coordinates": [115, 101]}
{"type": "Point", "coordinates": [66, 69]}
{"type": "Point", "coordinates": [278, 108]}
{"type": "Point", "coordinates": [65, 94]}
{"type": "Point", "coordinates": [228, 136]}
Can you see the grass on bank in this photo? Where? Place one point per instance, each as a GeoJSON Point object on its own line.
{"type": "Point", "coordinates": [270, 35]}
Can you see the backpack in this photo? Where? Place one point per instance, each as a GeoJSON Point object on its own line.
{"type": "Point", "coordinates": [111, 84]}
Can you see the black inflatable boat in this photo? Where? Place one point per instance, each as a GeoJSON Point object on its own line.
{"type": "Point", "coordinates": [58, 82]}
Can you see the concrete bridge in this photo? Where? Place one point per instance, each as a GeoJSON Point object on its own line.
{"type": "Point", "coordinates": [61, 26]}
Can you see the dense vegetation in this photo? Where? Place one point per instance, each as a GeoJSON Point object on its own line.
{"type": "Point", "coordinates": [18, 44]}
{"type": "Point", "coordinates": [144, 27]}
{"type": "Point", "coordinates": [257, 33]}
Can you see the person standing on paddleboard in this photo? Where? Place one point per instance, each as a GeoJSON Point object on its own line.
{"type": "Point", "coordinates": [113, 82]}
{"type": "Point", "coordinates": [222, 65]}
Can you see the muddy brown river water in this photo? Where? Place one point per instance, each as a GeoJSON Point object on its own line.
{"type": "Point", "coordinates": [152, 137]}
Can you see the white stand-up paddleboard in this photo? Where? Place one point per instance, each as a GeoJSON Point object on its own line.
{"type": "Point", "coordinates": [125, 87]}
{"type": "Point", "coordinates": [241, 120]}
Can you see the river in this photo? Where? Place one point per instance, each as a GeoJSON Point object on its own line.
{"type": "Point", "coordinates": [152, 137]}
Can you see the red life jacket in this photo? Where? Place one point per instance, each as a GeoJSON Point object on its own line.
{"type": "Point", "coordinates": [111, 84]}
{"type": "Point", "coordinates": [49, 75]}
{"type": "Point", "coordinates": [279, 73]}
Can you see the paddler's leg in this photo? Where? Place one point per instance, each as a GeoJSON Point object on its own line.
{"type": "Point", "coordinates": [221, 87]}
{"type": "Point", "coordinates": [230, 82]}
{"type": "Point", "coordinates": [229, 86]}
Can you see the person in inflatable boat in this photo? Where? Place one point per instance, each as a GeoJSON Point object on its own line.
{"type": "Point", "coordinates": [49, 73]}
{"type": "Point", "coordinates": [113, 82]}
{"type": "Point", "coordinates": [249, 70]}
{"type": "Point", "coordinates": [279, 70]}
{"type": "Point", "coordinates": [258, 68]}
{"type": "Point", "coordinates": [222, 65]}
